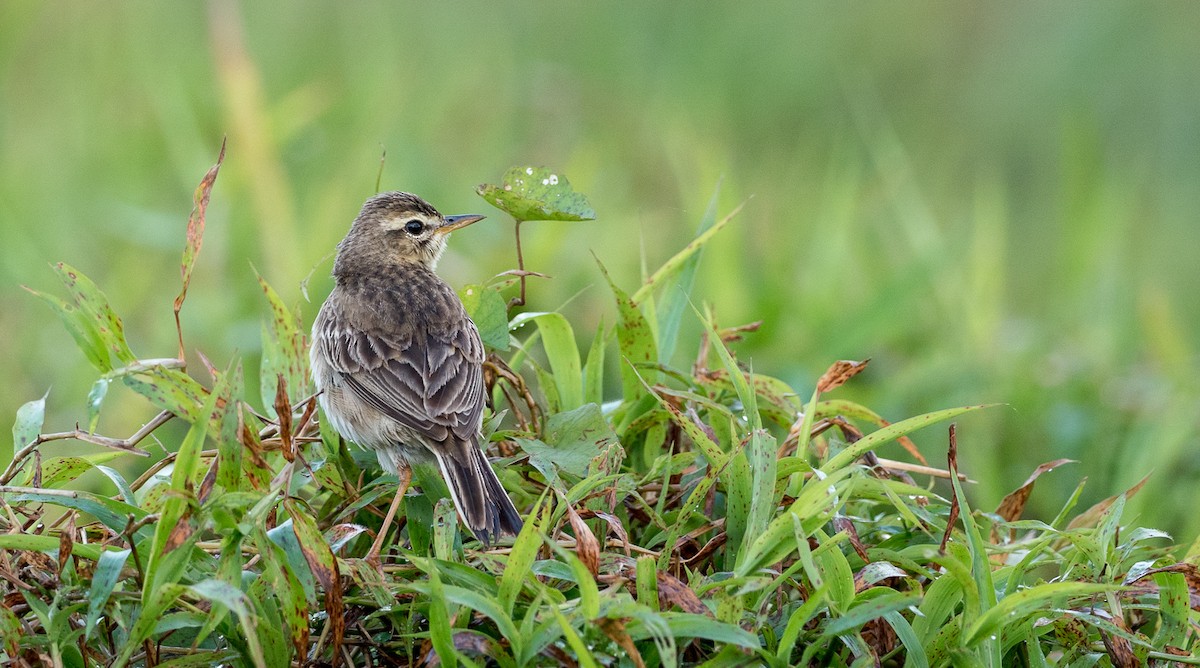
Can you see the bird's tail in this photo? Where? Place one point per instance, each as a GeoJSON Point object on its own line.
{"type": "Point", "coordinates": [482, 503]}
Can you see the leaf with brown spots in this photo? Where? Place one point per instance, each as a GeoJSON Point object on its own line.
{"type": "Point", "coordinates": [615, 630]}
{"type": "Point", "coordinates": [66, 542]}
{"type": "Point", "coordinates": [323, 565]}
{"type": "Point", "coordinates": [839, 373]}
{"type": "Point", "coordinates": [673, 591]}
{"type": "Point", "coordinates": [195, 236]}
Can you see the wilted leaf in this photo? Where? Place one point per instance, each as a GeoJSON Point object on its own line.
{"type": "Point", "coordinates": [673, 591]}
{"type": "Point", "coordinates": [838, 373]}
{"type": "Point", "coordinates": [1013, 504]}
{"type": "Point", "coordinates": [536, 193]}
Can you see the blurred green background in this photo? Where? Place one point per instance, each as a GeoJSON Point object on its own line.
{"type": "Point", "coordinates": [996, 203]}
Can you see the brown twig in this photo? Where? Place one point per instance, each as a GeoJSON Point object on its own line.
{"type": "Point", "coordinates": [124, 444]}
{"type": "Point", "coordinates": [520, 300]}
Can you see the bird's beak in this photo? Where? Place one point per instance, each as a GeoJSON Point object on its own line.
{"type": "Point", "coordinates": [457, 222]}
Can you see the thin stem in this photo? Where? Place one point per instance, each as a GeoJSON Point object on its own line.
{"type": "Point", "coordinates": [519, 301]}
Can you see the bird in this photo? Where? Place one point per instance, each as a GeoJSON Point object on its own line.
{"type": "Point", "coordinates": [398, 362]}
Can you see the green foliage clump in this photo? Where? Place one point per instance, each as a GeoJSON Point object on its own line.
{"type": "Point", "coordinates": [706, 515]}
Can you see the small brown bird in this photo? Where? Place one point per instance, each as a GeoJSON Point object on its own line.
{"type": "Point", "coordinates": [398, 361]}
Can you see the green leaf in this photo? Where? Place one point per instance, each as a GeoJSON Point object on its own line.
{"type": "Point", "coordinates": [892, 432]}
{"type": "Point", "coordinates": [536, 193]}
{"type": "Point", "coordinates": [104, 580]}
{"type": "Point", "coordinates": [236, 600]}
{"type": "Point", "coordinates": [47, 544]}
{"type": "Point", "coordinates": [95, 306]}
{"type": "Point", "coordinates": [558, 339]}
{"type": "Point", "coordinates": [285, 351]}
{"type": "Point", "coordinates": [688, 625]}
{"type": "Point", "coordinates": [489, 312]}
{"type": "Point", "coordinates": [593, 368]}
{"type": "Point", "coordinates": [1032, 601]}
{"type": "Point", "coordinates": [521, 558]}
{"type": "Point", "coordinates": [195, 227]}
{"type": "Point", "coordinates": [635, 340]}
{"type": "Point", "coordinates": [573, 439]}
{"type": "Point", "coordinates": [113, 514]}
{"type": "Point", "coordinates": [94, 399]}
{"type": "Point", "coordinates": [874, 608]}
{"type": "Point", "coordinates": [81, 328]}
{"type": "Point", "coordinates": [676, 278]}
{"type": "Point", "coordinates": [28, 425]}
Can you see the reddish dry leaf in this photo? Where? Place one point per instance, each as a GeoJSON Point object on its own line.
{"type": "Point", "coordinates": [1014, 504]}
{"type": "Point", "coordinates": [210, 479]}
{"type": "Point", "coordinates": [614, 525]}
{"type": "Point", "coordinates": [843, 523]}
{"type": "Point", "coordinates": [952, 464]}
{"type": "Point", "coordinates": [838, 373]}
{"type": "Point", "coordinates": [587, 548]}
{"type": "Point", "coordinates": [615, 630]}
{"type": "Point", "coordinates": [673, 591]}
{"type": "Point", "coordinates": [1120, 651]}
{"type": "Point", "coordinates": [66, 542]}
{"type": "Point", "coordinates": [1092, 515]}
{"type": "Point", "coordinates": [283, 410]}
{"type": "Point", "coordinates": [179, 533]}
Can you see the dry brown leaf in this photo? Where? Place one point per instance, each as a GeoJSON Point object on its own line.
{"type": "Point", "coordinates": [673, 591]}
{"type": "Point", "coordinates": [1092, 515]}
{"type": "Point", "coordinates": [615, 630]}
{"type": "Point", "coordinates": [838, 373]}
{"type": "Point", "coordinates": [587, 548]}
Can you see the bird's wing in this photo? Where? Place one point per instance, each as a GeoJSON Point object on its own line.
{"type": "Point", "coordinates": [430, 380]}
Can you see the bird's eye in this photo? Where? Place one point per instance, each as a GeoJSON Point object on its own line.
{"type": "Point", "coordinates": [414, 227]}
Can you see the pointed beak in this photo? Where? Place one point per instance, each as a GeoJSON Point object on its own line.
{"type": "Point", "coordinates": [458, 222]}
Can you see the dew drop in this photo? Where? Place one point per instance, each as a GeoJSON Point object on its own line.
{"type": "Point", "coordinates": [554, 179]}
{"type": "Point", "coordinates": [529, 171]}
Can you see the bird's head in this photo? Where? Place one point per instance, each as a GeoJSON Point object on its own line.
{"type": "Point", "coordinates": [398, 227]}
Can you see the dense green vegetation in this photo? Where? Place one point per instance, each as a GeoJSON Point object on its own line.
{"type": "Point", "coordinates": [707, 514]}
{"type": "Point", "coordinates": [994, 204]}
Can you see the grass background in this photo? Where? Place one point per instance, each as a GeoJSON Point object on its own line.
{"type": "Point", "coordinates": [995, 203]}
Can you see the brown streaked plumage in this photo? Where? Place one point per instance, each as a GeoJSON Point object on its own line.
{"type": "Point", "coordinates": [399, 362]}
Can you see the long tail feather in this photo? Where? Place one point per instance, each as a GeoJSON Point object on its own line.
{"type": "Point", "coordinates": [481, 501]}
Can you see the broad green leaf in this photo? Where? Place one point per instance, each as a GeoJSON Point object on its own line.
{"type": "Point", "coordinates": [28, 425]}
{"type": "Point", "coordinates": [558, 339]}
{"type": "Point", "coordinates": [688, 625]}
{"type": "Point", "coordinates": [236, 600]}
{"type": "Point", "coordinates": [113, 514]}
{"type": "Point", "coordinates": [874, 608]}
{"type": "Point", "coordinates": [81, 328]}
{"type": "Point", "coordinates": [440, 633]}
{"type": "Point", "coordinates": [47, 544]}
{"type": "Point", "coordinates": [94, 304]}
{"type": "Point", "coordinates": [593, 368]}
{"type": "Point", "coordinates": [537, 193]}
{"type": "Point", "coordinates": [676, 278]}
{"type": "Point", "coordinates": [572, 440]}
{"type": "Point", "coordinates": [489, 312]}
{"type": "Point", "coordinates": [521, 558]}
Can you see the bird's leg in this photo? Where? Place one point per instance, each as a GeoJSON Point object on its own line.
{"type": "Point", "coordinates": [405, 474]}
